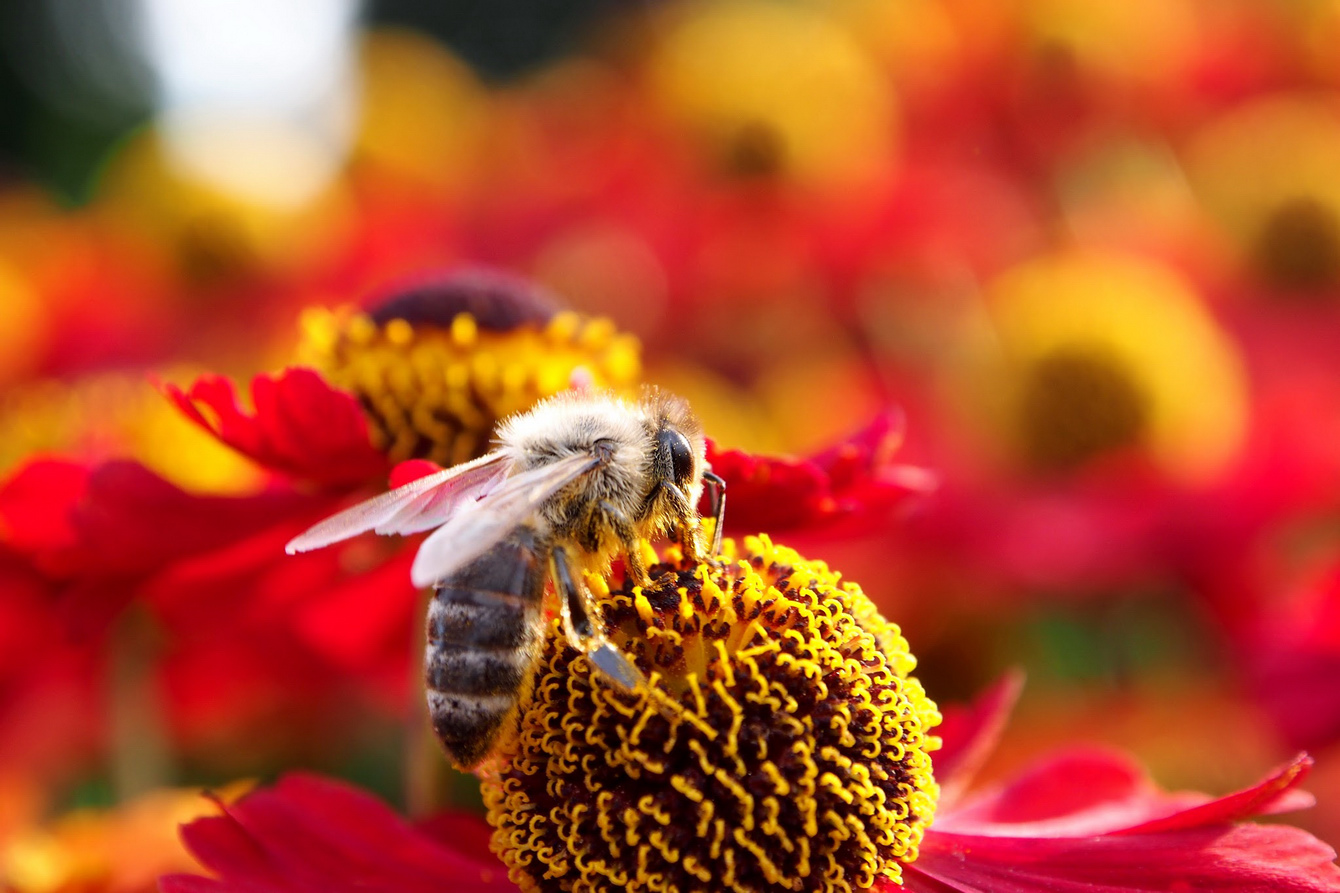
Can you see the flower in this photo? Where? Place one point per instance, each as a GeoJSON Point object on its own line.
{"type": "Point", "coordinates": [779, 705]}
{"type": "Point", "coordinates": [426, 373]}
{"type": "Point", "coordinates": [804, 101]}
{"type": "Point", "coordinates": [1282, 221]}
{"type": "Point", "coordinates": [118, 850]}
{"type": "Point", "coordinates": [850, 482]}
{"type": "Point", "coordinates": [1104, 398]}
{"type": "Point", "coordinates": [1084, 820]}
{"type": "Point", "coordinates": [781, 739]}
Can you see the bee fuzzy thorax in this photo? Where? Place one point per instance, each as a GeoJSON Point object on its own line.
{"type": "Point", "coordinates": [629, 483]}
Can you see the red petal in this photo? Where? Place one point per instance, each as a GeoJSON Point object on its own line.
{"type": "Point", "coordinates": [970, 734]}
{"type": "Point", "coordinates": [411, 470]}
{"type": "Point", "coordinates": [1275, 793]}
{"type": "Point", "coordinates": [1243, 858]}
{"type": "Point", "coordinates": [36, 502]}
{"type": "Point", "coordinates": [849, 482]}
{"type": "Point", "coordinates": [1074, 794]}
{"type": "Point", "coordinates": [121, 519]}
{"type": "Point", "coordinates": [312, 835]}
{"type": "Point", "coordinates": [301, 425]}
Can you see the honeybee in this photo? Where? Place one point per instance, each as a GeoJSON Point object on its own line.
{"type": "Point", "coordinates": [577, 480]}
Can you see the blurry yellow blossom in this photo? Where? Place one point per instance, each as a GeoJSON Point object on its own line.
{"type": "Point", "coordinates": [775, 87]}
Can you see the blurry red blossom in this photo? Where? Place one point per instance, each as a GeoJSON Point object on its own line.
{"type": "Point", "coordinates": [851, 482]}
{"type": "Point", "coordinates": [301, 425]}
{"type": "Point", "coordinates": [1291, 658]}
{"type": "Point", "coordinates": [119, 519]}
{"type": "Point", "coordinates": [1084, 820]}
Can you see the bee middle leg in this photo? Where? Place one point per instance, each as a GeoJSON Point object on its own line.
{"type": "Point", "coordinates": [629, 543]}
{"type": "Point", "coordinates": [582, 625]}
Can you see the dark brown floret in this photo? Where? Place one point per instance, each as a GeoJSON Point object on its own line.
{"type": "Point", "coordinates": [497, 301]}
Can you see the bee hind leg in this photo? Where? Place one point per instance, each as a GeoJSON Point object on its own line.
{"type": "Point", "coordinates": [581, 624]}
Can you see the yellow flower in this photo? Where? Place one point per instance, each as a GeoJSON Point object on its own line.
{"type": "Point", "coordinates": [1098, 352]}
{"type": "Point", "coordinates": [781, 740]}
{"type": "Point", "coordinates": [777, 87]}
{"type": "Point", "coordinates": [423, 113]}
{"type": "Point", "coordinates": [1269, 172]}
{"type": "Point", "coordinates": [434, 378]}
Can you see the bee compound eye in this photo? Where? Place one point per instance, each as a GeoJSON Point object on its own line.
{"type": "Point", "coordinates": [681, 455]}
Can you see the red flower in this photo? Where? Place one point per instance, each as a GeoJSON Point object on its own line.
{"type": "Point", "coordinates": [1289, 648]}
{"type": "Point", "coordinates": [320, 836]}
{"type": "Point", "coordinates": [1086, 821]}
{"type": "Point", "coordinates": [851, 482]}
{"type": "Point", "coordinates": [1091, 821]}
{"type": "Point", "coordinates": [301, 425]}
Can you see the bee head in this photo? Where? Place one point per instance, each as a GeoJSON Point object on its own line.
{"type": "Point", "coordinates": [680, 451]}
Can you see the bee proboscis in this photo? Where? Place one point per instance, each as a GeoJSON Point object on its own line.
{"type": "Point", "coordinates": [576, 480]}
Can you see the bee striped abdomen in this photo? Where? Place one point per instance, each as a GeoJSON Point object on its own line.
{"type": "Point", "coordinates": [484, 633]}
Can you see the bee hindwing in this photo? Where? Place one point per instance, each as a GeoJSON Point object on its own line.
{"type": "Point", "coordinates": [477, 526]}
{"type": "Point", "coordinates": [420, 505]}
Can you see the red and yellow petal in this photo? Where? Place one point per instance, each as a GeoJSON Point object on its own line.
{"type": "Point", "coordinates": [301, 425]}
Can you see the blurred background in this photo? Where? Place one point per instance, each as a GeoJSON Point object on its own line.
{"type": "Point", "coordinates": [1089, 249]}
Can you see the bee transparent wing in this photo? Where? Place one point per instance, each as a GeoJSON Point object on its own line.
{"type": "Point", "coordinates": [419, 505]}
{"type": "Point", "coordinates": [480, 525]}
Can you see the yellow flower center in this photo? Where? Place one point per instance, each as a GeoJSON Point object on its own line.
{"type": "Point", "coordinates": [435, 369]}
{"type": "Point", "coordinates": [1298, 247]}
{"type": "Point", "coordinates": [1077, 404]}
{"type": "Point", "coordinates": [1092, 351]}
{"type": "Point", "coordinates": [780, 744]}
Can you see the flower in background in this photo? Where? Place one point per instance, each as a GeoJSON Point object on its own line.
{"type": "Point", "coordinates": [1280, 221]}
{"type": "Point", "coordinates": [775, 91]}
{"type": "Point", "coordinates": [120, 850]}
{"type": "Point", "coordinates": [1098, 393]}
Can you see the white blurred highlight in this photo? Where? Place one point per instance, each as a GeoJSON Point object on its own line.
{"type": "Point", "coordinates": [255, 97]}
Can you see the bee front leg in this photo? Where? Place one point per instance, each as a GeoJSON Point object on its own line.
{"type": "Point", "coordinates": [685, 517]}
{"type": "Point", "coordinates": [581, 624]}
{"type": "Point", "coordinates": [715, 486]}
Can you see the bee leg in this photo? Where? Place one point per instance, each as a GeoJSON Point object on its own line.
{"type": "Point", "coordinates": [715, 486]}
{"type": "Point", "coordinates": [685, 516]}
{"type": "Point", "coordinates": [628, 542]}
{"type": "Point", "coordinates": [580, 623]}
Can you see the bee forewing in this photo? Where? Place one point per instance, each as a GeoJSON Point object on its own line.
{"type": "Point", "coordinates": [419, 505]}
{"type": "Point", "coordinates": [478, 526]}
